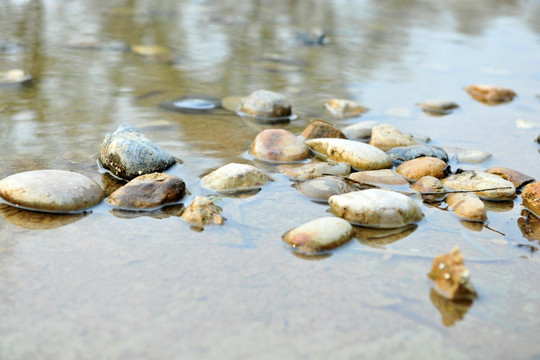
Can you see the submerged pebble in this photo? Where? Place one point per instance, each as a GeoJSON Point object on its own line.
{"type": "Point", "coordinates": [192, 104]}
{"type": "Point", "coordinates": [531, 197]}
{"type": "Point", "coordinates": [359, 155]}
{"type": "Point", "coordinates": [15, 76]}
{"type": "Point", "coordinates": [314, 170]}
{"type": "Point", "coordinates": [313, 36]}
{"type": "Point", "coordinates": [376, 208]}
{"type": "Point", "coordinates": [267, 106]}
{"type": "Point", "coordinates": [127, 153]}
{"type": "Point", "coordinates": [438, 107]}
{"type": "Point", "coordinates": [406, 153]}
{"type": "Point", "coordinates": [320, 189]}
{"type": "Point", "coordinates": [384, 177]}
{"type": "Point", "coordinates": [451, 277]}
{"type": "Point", "coordinates": [321, 129]}
{"type": "Point", "coordinates": [416, 169]}
{"type": "Point", "coordinates": [51, 191]}
{"type": "Point", "coordinates": [386, 137]}
{"type": "Point", "coordinates": [467, 206]}
{"type": "Point", "coordinates": [202, 211]}
{"type": "Point", "coordinates": [467, 155]}
{"type": "Point", "coordinates": [278, 145]}
{"type": "Point", "coordinates": [342, 108]}
{"type": "Point", "coordinates": [515, 177]}
{"type": "Point", "coordinates": [430, 184]}
{"type": "Point", "coordinates": [320, 234]}
{"type": "Point", "coordinates": [235, 177]}
{"type": "Point", "coordinates": [360, 131]}
{"type": "Point", "coordinates": [490, 94]}
{"type": "Point", "coordinates": [477, 181]}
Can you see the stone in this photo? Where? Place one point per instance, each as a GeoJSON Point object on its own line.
{"type": "Point", "coordinates": [490, 94]}
{"type": "Point", "coordinates": [235, 177]}
{"type": "Point", "coordinates": [314, 36]}
{"type": "Point", "coordinates": [531, 197]}
{"type": "Point", "coordinates": [278, 145]}
{"type": "Point", "coordinates": [430, 184]}
{"type": "Point", "coordinates": [202, 211]}
{"type": "Point", "coordinates": [57, 191]}
{"type": "Point", "coordinates": [320, 189]}
{"type": "Point", "coordinates": [149, 191]}
{"type": "Point", "coordinates": [451, 277]}
{"type": "Point", "coordinates": [384, 177]}
{"type": "Point", "coordinates": [127, 153]}
{"type": "Point", "coordinates": [405, 153]}
{"type": "Point", "coordinates": [15, 76]}
{"type": "Point", "coordinates": [376, 208]}
{"type": "Point", "coordinates": [321, 129]}
{"type": "Point", "coordinates": [423, 166]}
{"type": "Point", "coordinates": [477, 181]}
{"type": "Point", "coordinates": [438, 107]}
{"type": "Point", "coordinates": [265, 104]}
{"type": "Point", "coordinates": [320, 234]}
{"type": "Point", "coordinates": [359, 155]}
{"type": "Point", "coordinates": [192, 104]}
{"type": "Point", "coordinates": [467, 206]}
{"type": "Point", "coordinates": [341, 108]}
{"type": "Point", "coordinates": [515, 177]}
{"type": "Point", "coordinates": [386, 137]}
{"type": "Point", "coordinates": [360, 131]}
{"type": "Point", "coordinates": [467, 155]}
{"type": "Point", "coordinates": [232, 103]}
{"type": "Point", "coordinates": [314, 170]}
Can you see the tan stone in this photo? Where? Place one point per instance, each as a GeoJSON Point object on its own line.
{"type": "Point", "coordinates": [467, 206]}
{"type": "Point", "coordinates": [531, 197]}
{"type": "Point", "coordinates": [342, 108]}
{"type": "Point", "coordinates": [416, 169]}
{"type": "Point", "coordinates": [386, 137]}
{"type": "Point", "coordinates": [451, 277]}
{"type": "Point", "coordinates": [278, 145]}
{"type": "Point", "coordinates": [490, 94]}
{"type": "Point", "coordinates": [321, 129]}
{"type": "Point", "coordinates": [202, 211]}
{"type": "Point", "coordinates": [515, 177]}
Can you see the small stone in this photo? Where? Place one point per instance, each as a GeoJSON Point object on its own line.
{"type": "Point", "coordinates": [360, 131]}
{"type": "Point", "coordinates": [405, 153]}
{"type": "Point", "coordinates": [376, 208]}
{"type": "Point", "coordinates": [202, 211]}
{"type": "Point", "coordinates": [467, 206]}
{"type": "Point", "coordinates": [430, 184]}
{"type": "Point", "coordinates": [321, 129]}
{"type": "Point", "coordinates": [156, 52]}
{"type": "Point", "coordinates": [314, 170]}
{"type": "Point", "coordinates": [51, 191]}
{"type": "Point", "coordinates": [477, 181]}
{"type": "Point", "coordinates": [451, 277]}
{"type": "Point", "coordinates": [423, 166]}
{"type": "Point", "coordinates": [531, 197]}
{"type": "Point", "coordinates": [266, 105]}
{"type": "Point", "coordinates": [149, 191]}
{"type": "Point", "coordinates": [235, 177]}
{"type": "Point", "coordinates": [232, 103]}
{"type": "Point", "coordinates": [438, 107]}
{"type": "Point", "coordinates": [490, 94]}
{"type": "Point", "coordinates": [311, 37]}
{"type": "Point", "coordinates": [467, 155]}
{"type": "Point", "coordinates": [341, 108]}
{"type": "Point", "coordinates": [15, 76]}
{"type": "Point", "coordinates": [515, 177]}
{"type": "Point", "coordinates": [384, 177]}
{"type": "Point", "coordinates": [127, 153]}
{"type": "Point", "coordinates": [359, 155]}
{"type": "Point", "coordinates": [192, 104]}
{"type": "Point", "coordinates": [386, 137]}
{"type": "Point", "coordinates": [321, 234]}
{"type": "Point", "coordinates": [278, 145]}
{"type": "Point", "coordinates": [320, 189]}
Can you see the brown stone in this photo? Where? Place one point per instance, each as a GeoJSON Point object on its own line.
{"type": "Point", "coordinates": [451, 277]}
{"type": "Point", "coordinates": [341, 108]}
{"type": "Point", "coordinates": [416, 169]}
{"type": "Point", "coordinates": [531, 197]}
{"type": "Point", "coordinates": [278, 145]}
{"type": "Point", "coordinates": [321, 129]}
{"type": "Point", "coordinates": [467, 206]}
{"type": "Point", "coordinates": [490, 94]}
{"type": "Point", "coordinates": [266, 104]}
{"type": "Point", "coordinates": [431, 185]}
{"type": "Point", "coordinates": [515, 177]}
{"type": "Point", "coordinates": [202, 211]}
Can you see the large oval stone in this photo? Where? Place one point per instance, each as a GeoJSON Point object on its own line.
{"type": "Point", "coordinates": [531, 197]}
{"type": "Point", "coordinates": [359, 155]}
{"type": "Point", "coordinates": [127, 153]}
{"type": "Point", "coordinates": [321, 234]}
{"type": "Point", "coordinates": [314, 170]}
{"type": "Point", "coordinates": [376, 208]}
{"type": "Point", "coordinates": [386, 137]}
{"type": "Point", "coordinates": [406, 153]}
{"type": "Point", "coordinates": [51, 191]}
{"type": "Point", "coordinates": [477, 181]}
{"type": "Point", "coordinates": [235, 177]}
{"type": "Point", "coordinates": [278, 145]}
{"type": "Point", "coordinates": [266, 104]}
{"type": "Point", "coordinates": [416, 169]}
{"type": "Point", "coordinates": [467, 206]}
{"type": "Point", "coordinates": [384, 177]}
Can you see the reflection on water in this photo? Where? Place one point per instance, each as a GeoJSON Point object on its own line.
{"type": "Point", "coordinates": [451, 311]}
{"type": "Point", "coordinates": [379, 238]}
{"type": "Point", "coordinates": [34, 220]}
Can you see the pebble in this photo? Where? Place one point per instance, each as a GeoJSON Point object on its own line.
{"type": "Point", "coordinates": [438, 107]}
{"type": "Point", "coordinates": [430, 184]}
{"type": "Point", "coordinates": [451, 277]}
{"type": "Point", "coordinates": [490, 94]}
{"type": "Point", "coordinates": [235, 177]}
{"type": "Point", "coordinates": [278, 145]}
{"type": "Point", "coordinates": [467, 206]}
{"type": "Point", "coordinates": [320, 189]}
{"type": "Point", "coordinates": [320, 234]}
{"type": "Point", "coordinates": [359, 155]}
{"type": "Point", "coordinates": [531, 197]}
{"type": "Point", "coordinates": [342, 108]}
{"type": "Point", "coordinates": [416, 169]}
{"type": "Point", "coordinates": [466, 155]}
{"type": "Point", "coordinates": [15, 76]}
{"type": "Point", "coordinates": [478, 180]}
{"type": "Point", "coordinates": [232, 103]}
{"type": "Point", "coordinates": [321, 129]}
{"type": "Point", "coordinates": [267, 105]}
{"type": "Point", "coordinates": [149, 191]}
{"type": "Point", "coordinates": [127, 153]}
{"type": "Point", "coordinates": [405, 153]}
{"type": "Point", "coordinates": [157, 52]}
{"type": "Point", "coordinates": [515, 177]}
{"type": "Point", "coordinates": [360, 131]}
{"type": "Point", "coordinates": [386, 137]}
{"type": "Point", "coordinates": [384, 177]}
{"type": "Point", "coordinates": [376, 208]}
{"type": "Point", "coordinates": [314, 170]}
{"type": "Point", "coordinates": [312, 37]}
{"type": "Point", "coordinates": [202, 211]}
{"type": "Point", "coordinates": [51, 191]}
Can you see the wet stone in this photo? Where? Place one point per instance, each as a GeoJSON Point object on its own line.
{"type": "Point", "coordinates": [51, 191]}
{"type": "Point", "coordinates": [192, 104]}
{"type": "Point", "coordinates": [423, 166]}
{"type": "Point", "coordinates": [361, 130]}
{"type": "Point", "coordinates": [490, 94]}
{"type": "Point", "coordinates": [515, 177]}
{"type": "Point", "coordinates": [531, 197]}
{"type": "Point", "coordinates": [477, 181]}
{"type": "Point", "coordinates": [405, 153]}
{"type": "Point", "coordinates": [15, 76]}
{"type": "Point", "coordinates": [235, 177]}
{"type": "Point", "coordinates": [278, 145]}
{"type": "Point", "coordinates": [266, 105]}
{"type": "Point", "coordinates": [314, 170]}
{"type": "Point", "coordinates": [202, 211]}
{"type": "Point", "coordinates": [451, 277]}
{"type": "Point", "coordinates": [321, 129]}
{"type": "Point", "coordinates": [384, 177]}
{"type": "Point", "coordinates": [430, 184]}
{"type": "Point", "coordinates": [359, 155]}
{"type": "Point", "coordinates": [467, 155]}
{"type": "Point", "coordinates": [320, 234]}
{"type": "Point", "coordinates": [149, 191]}
{"type": "Point", "coordinates": [467, 206]}
{"type": "Point", "coordinates": [232, 103]}
{"type": "Point", "coordinates": [312, 37]}
{"type": "Point", "coordinates": [320, 189]}
{"type": "Point", "coordinates": [127, 153]}
{"type": "Point", "coordinates": [156, 52]}
{"type": "Point", "coordinates": [341, 108]}
{"type": "Point", "coordinates": [376, 208]}
{"type": "Point", "coordinates": [386, 137]}
{"type": "Point", "coordinates": [438, 107]}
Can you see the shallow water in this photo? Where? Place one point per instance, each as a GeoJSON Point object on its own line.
{"type": "Point", "coordinates": [110, 284]}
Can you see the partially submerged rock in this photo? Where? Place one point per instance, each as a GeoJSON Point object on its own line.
{"type": "Point", "coordinates": [321, 129]}
{"type": "Point", "coordinates": [342, 108]}
{"type": "Point", "coordinates": [376, 208]}
{"type": "Point", "coordinates": [155, 52]}
{"type": "Point", "coordinates": [515, 177]}
{"type": "Point", "coordinates": [192, 104]}
{"type": "Point", "coordinates": [266, 105]}
{"type": "Point", "coordinates": [149, 191]}
{"type": "Point", "coordinates": [467, 155]}
{"type": "Point", "coordinates": [360, 131]}
{"type": "Point", "coordinates": [321, 234]}
{"type": "Point", "coordinates": [51, 191]}
{"type": "Point", "coordinates": [314, 36]}
{"type": "Point", "coordinates": [278, 145]}
{"type": "Point", "coordinates": [359, 155]}
{"type": "Point", "coordinates": [438, 107]}
{"type": "Point", "coordinates": [490, 94]}
{"type": "Point", "coordinates": [383, 177]}
{"type": "Point", "coordinates": [235, 177]}
{"type": "Point", "coordinates": [423, 166]}
{"type": "Point", "coordinates": [531, 197]}
{"type": "Point", "coordinates": [386, 137]}
{"type": "Point", "coordinates": [314, 170]}
{"type": "Point", "coordinates": [478, 182]}
{"type": "Point", "coordinates": [451, 277]}
{"type": "Point", "coordinates": [15, 76]}
{"type": "Point", "coordinates": [202, 211]}
{"type": "Point", "coordinates": [127, 153]}
{"type": "Point", "coordinates": [405, 153]}
{"type": "Point", "coordinates": [431, 189]}
{"type": "Point", "coordinates": [320, 189]}
{"type": "Point", "coordinates": [467, 206]}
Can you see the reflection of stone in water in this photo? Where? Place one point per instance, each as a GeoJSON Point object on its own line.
{"type": "Point", "coordinates": [499, 206]}
{"type": "Point", "coordinates": [451, 310]}
{"type": "Point", "coordinates": [472, 225]}
{"type": "Point", "coordinates": [161, 213]}
{"type": "Point", "coordinates": [110, 183]}
{"type": "Point", "coordinates": [529, 225]}
{"type": "Point", "coordinates": [306, 255]}
{"type": "Point", "coordinates": [34, 220]}
{"type": "Point", "coordinates": [379, 238]}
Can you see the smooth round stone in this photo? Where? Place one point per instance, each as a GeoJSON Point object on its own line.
{"type": "Point", "coordinates": [15, 76]}
{"type": "Point", "coordinates": [384, 177]}
{"type": "Point", "coordinates": [314, 170]}
{"type": "Point", "coordinates": [149, 191]}
{"type": "Point", "coordinates": [51, 191]}
{"type": "Point", "coordinates": [321, 129]}
{"type": "Point", "coordinates": [438, 107]}
{"type": "Point", "coordinates": [424, 166]}
{"type": "Point", "coordinates": [361, 130]}
{"type": "Point", "coordinates": [359, 155]}
{"type": "Point", "coordinates": [477, 181]}
{"type": "Point", "coordinates": [386, 137]}
{"type": "Point", "coordinates": [320, 189]}
{"type": "Point", "coordinates": [320, 234]}
{"type": "Point", "coordinates": [127, 153]}
{"type": "Point", "coordinates": [192, 104]}
{"type": "Point", "coordinates": [490, 94]}
{"type": "Point", "coordinates": [235, 177]}
{"type": "Point", "coordinates": [376, 208]}
{"type": "Point", "coordinates": [265, 104]}
{"type": "Point", "coordinates": [232, 103]}
{"type": "Point", "coordinates": [430, 184]}
{"type": "Point", "coordinates": [406, 153]}
{"type": "Point", "coordinates": [278, 145]}
{"type": "Point", "coordinates": [467, 155]}
{"type": "Point", "coordinates": [531, 197]}
{"type": "Point", "coordinates": [515, 177]}
{"type": "Point", "coordinates": [342, 108]}
{"type": "Point", "coordinates": [202, 211]}
{"type": "Point", "coordinates": [467, 206]}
